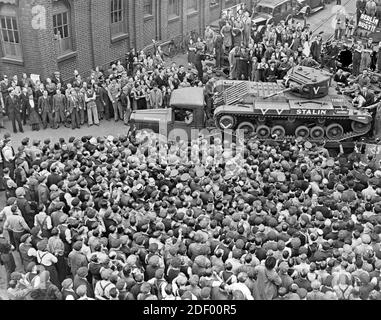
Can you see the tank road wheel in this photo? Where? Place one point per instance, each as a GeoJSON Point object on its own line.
{"type": "Point", "coordinates": [227, 122]}
{"type": "Point", "coordinates": [302, 132]}
{"type": "Point", "coordinates": [359, 127]}
{"type": "Point", "coordinates": [247, 127]}
{"type": "Point", "coordinates": [279, 131]}
{"type": "Point", "coordinates": [263, 132]}
{"type": "Point", "coordinates": [334, 131]}
{"type": "Point", "coordinates": [317, 133]}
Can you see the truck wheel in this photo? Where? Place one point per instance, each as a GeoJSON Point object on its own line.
{"type": "Point", "coordinates": [227, 122]}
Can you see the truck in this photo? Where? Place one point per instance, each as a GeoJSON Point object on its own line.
{"type": "Point", "coordinates": [171, 122]}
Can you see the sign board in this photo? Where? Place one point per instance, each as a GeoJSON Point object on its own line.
{"type": "Point", "coordinates": [234, 10]}
{"type": "Point", "coordinates": [374, 150]}
{"type": "Point", "coordinates": [35, 77]}
{"type": "Point", "coordinates": [367, 24]}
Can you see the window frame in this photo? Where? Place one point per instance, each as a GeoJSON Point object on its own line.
{"type": "Point", "coordinates": [150, 5]}
{"type": "Point", "coordinates": [173, 15]}
{"type": "Point", "coordinates": [194, 8]}
{"type": "Point", "coordinates": [65, 46]}
{"type": "Point", "coordinates": [6, 46]}
{"type": "Point", "coordinates": [118, 28]}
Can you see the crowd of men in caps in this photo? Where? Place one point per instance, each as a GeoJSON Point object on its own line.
{"type": "Point", "coordinates": [122, 218]}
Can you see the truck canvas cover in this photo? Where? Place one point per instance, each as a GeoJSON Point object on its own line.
{"type": "Point", "coordinates": [187, 97]}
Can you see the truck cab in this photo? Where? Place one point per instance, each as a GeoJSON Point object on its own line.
{"type": "Point", "coordinates": [273, 11]}
{"type": "Point", "coordinates": [185, 115]}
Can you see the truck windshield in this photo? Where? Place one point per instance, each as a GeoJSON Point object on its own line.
{"type": "Point", "coordinates": [264, 9]}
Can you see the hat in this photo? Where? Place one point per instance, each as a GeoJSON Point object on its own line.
{"type": "Point", "coordinates": [174, 173]}
{"type": "Point", "coordinates": [20, 192]}
{"type": "Point", "coordinates": [308, 145]}
{"type": "Point", "coordinates": [11, 201]}
{"type": "Point", "coordinates": [67, 283]}
{"type": "Point", "coordinates": [185, 177]}
{"type": "Point", "coordinates": [281, 177]}
{"type": "Point", "coordinates": [77, 245]}
{"type": "Point", "coordinates": [82, 272]}
{"type": "Point", "coordinates": [25, 237]}
{"type": "Point", "coordinates": [200, 172]}
{"type": "Point", "coordinates": [120, 284]}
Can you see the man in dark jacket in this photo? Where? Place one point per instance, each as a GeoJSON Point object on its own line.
{"type": "Point", "coordinates": [24, 100]}
{"type": "Point", "coordinates": [199, 57]}
{"type": "Point", "coordinates": [23, 204]}
{"type": "Point", "coordinates": [13, 106]}
{"type": "Point", "coordinates": [54, 177]}
{"type": "Point", "coordinates": [46, 109]}
{"type": "Point", "coordinates": [316, 47]}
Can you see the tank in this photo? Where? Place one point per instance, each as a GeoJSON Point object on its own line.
{"type": "Point", "coordinates": [304, 104]}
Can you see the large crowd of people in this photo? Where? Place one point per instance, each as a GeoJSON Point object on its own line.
{"type": "Point", "coordinates": [132, 218]}
{"type": "Point", "coordinates": [127, 218]}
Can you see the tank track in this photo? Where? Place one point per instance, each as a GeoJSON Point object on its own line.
{"type": "Point", "coordinates": [346, 136]}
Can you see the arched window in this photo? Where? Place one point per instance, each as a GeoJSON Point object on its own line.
{"type": "Point", "coordinates": [62, 27]}
{"type": "Point", "coordinates": [10, 34]}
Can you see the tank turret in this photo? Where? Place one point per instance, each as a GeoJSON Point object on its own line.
{"type": "Point", "coordinates": [303, 105]}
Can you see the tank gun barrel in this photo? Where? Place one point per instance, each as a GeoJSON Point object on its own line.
{"type": "Point", "coordinates": [283, 91]}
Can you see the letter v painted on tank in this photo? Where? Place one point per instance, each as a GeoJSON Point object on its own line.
{"type": "Point", "coordinates": [265, 111]}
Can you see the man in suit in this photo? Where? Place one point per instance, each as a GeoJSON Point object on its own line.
{"type": "Point", "coordinates": [45, 107]}
{"type": "Point", "coordinates": [199, 57]}
{"type": "Point", "coordinates": [156, 97]}
{"type": "Point", "coordinates": [5, 87]}
{"type": "Point", "coordinates": [13, 106]}
{"type": "Point", "coordinates": [72, 109]}
{"type": "Point", "coordinates": [24, 100]}
{"type": "Point", "coordinates": [39, 93]}
{"type": "Point", "coordinates": [59, 108]}
{"type": "Point", "coordinates": [126, 104]}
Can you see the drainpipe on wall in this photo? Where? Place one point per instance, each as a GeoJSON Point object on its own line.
{"type": "Point", "coordinates": [135, 26]}
{"type": "Point", "coordinates": [91, 34]}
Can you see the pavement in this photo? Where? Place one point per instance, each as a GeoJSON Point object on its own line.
{"type": "Point", "coordinates": [320, 21]}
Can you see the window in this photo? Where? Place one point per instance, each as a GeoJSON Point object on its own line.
{"type": "Point", "coordinates": [192, 5]}
{"type": "Point", "coordinates": [117, 17]}
{"type": "Point", "coordinates": [173, 8]}
{"type": "Point", "coordinates": [148, 7]}
{"type": "Point", "coordinates": [10, 35]}
{"type": "Point", "coordinates": [62, 32]}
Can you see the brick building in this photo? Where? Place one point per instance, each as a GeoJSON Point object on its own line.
{"type": "Point", "coordinates": [41, 36]}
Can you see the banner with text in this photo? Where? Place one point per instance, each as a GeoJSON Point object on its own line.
{"type": "Point", "coordinates": [367, 25]}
